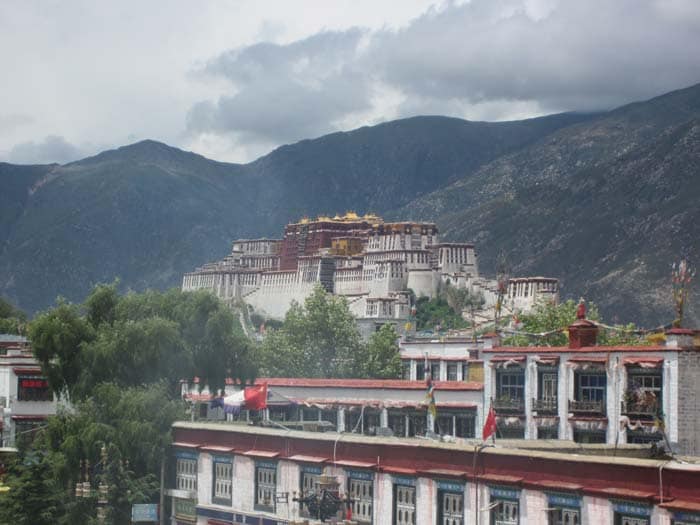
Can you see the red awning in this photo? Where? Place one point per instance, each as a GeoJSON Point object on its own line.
{"type": "Point", "coordinates": [644, 362]}
{"type": "Point", "coordinates": [550, 484]}
{"type": "Point", "coordinates": [501, 358]}
{"type": "Point", "coordinates": [399, 470]}
{"type": "Point", "coordinates": [182, 444]}
{"type": "Point", "coordinates": [215, 448]}
{"type": "Point", "coordinates": [588, 359]}
{"type": "Point", "coordinates": [261, 454]}
{"type": "Point", "coordinates": [621, 493]}
{"type": "Point", "coordinates": [681, 505]}
{"type": "Point", "coordinates": [32, 371]}
{"type": "Point", "coordinates": [444, 473]}
{"type": "Point", "coordinates": [307, 459]}
{"type": "Point", "coordinates": [354, 464]}
{"type": "Point", "coordinates": [500, 479]}
{"type": "Point", "coordinates": [547, 360]}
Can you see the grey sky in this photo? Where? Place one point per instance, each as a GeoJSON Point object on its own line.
{"type": "Point", "coordinates": [232, 80]}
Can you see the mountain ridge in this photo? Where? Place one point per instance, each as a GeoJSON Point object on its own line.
{"type": "Point", "coordinates": [148, 212]}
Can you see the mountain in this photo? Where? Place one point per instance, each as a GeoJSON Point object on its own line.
{"type": "Point", "coordinates": [147, 213]}
{"type": "Point", "coordinates": [607, 205]}
{"type": "Point", "coordinates": [604, 201]}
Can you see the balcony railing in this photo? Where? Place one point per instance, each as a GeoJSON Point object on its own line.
{"type": "Point", "coordinates": [508, 405]}
{"type": "Point", "coordinates": [545, 405]}
{"type": "Point", "coordinates": [587, 407]}
{"type": "Point", "coordinates": [640, 409]}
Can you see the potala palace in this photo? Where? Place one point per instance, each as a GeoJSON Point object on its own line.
{"type": "Point", "coordinates": [374, 264]}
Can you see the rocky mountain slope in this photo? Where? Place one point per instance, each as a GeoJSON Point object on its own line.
{"type": "Point", "coordinates": [608, 205]}
{"type": "Point", "coordinates": [146, 213]}
{"type": "Point", "coordinates": [606, 202]}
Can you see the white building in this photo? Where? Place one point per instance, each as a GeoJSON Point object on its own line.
{"type": "Point", "coordinates": [228, 474]}
{"type": "Point", "coordinates": [25, 398]}
{"type": "Point", "coordinates": [375, 265]}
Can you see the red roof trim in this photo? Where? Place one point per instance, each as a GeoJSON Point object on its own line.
{"type": "Point", "coordinates": [182, 444]}
{"type": "Point", "coordinates": [637, 360]}
{"type": "Point", "coordinates": [443, 473]}
{"type": "Point", "coordinates": [583, 349]}
{"type": "Point", "coordinates": [553, 485]}
{"type": "Point", "coordinates": [502, 358]}
{"type": "Point", "coordinates": [221, 450]}
{"type": "Point", "coordinates": [399, 470]}
{"type": "Point", "coordinates": [28, 370]}
{"type": "Point", "coordinates": [682, 505]}
{"type": "Point", "coordinates": [500, 479]}
{"type": "Point", "coordinates": [307, 459]}
{"type": "Point", "coordinates": [620, 493]}
{"type": "Point", "coordinates": [388, 384]}
{"type": "Point", "coordinates": [354, 464]}
{"type": "Point", "coordinates": [594, 359]}
{"type": "Point", "coordinates": [261, 454]}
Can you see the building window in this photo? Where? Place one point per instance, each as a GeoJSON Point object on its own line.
{"type": "Point", "coordinates": [591, 387]}
{"type": "Point", "coordinates": [223, 481]}
{"type": "Point", "coordinates": [435, 370]}
{"type": "Point", "coordinates": [465, 371]}
{"type": "Point", "coordinates": [564, 509]}
{"type": "Point", "coordinates": [416, 424]}
{"type": "Point", "coordinates": [404, 504]}
{"type": "Point", "coordinates": [548, 432]}
{"type": "Point", "coordinates": [444, 424]}
{"type": "Point", "coordinates": [464, 426]}
{"type": "Point", "coordinates": [450, 505]}
{"type": "Point", "coordinates": [397, 423]}
{"type": "Point", "coordinates": [420, 371]}
{"type": "Point", "coordinates": [452, 371]}
{"type": "Point", "coordinates": [643, 396]}
{"type": "Point", "coordinates": [309, 484]}
{"type": "Point", "coordinates": [504, 512]}
{"type": "Point", "coordinates": [361, 492]}
{"type": "Point", "coordinates": [186, 473]}
{"type": "Point", "coordinates": [406, 369]}
{"type": "Point", "coordinates": [33, 388]}
{"type": "Point", "coordinates": [631, 513]}
{"type": "Point", "coordinates": [309, 414]}
{"type": "Point", "coordinates": [510, 391]}
{"type": "Point", "coordinates": [331, 416]}
{"type": "Point", "coordinates": [265, 486]}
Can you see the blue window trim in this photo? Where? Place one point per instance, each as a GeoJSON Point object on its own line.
{"type": "Point", "coordinates": [451, 486]}
{"type": "Point", "coordinates": [632, 508]}
{"type": "Point", "coordinates": [360, 474]}
{"type": "Point", "coordinates": [508, 493]}
{"type": "Point", "coordinates": [560, 499]}
{"type": "Point", "coordinates": [404, 480]}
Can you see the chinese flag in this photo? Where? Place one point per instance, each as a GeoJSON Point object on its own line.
{"type": "Point", "coordinates": [256, 397]}
{"type": "Point", "coordinates": [489, 424]}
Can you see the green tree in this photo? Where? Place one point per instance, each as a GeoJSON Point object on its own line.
{"type": "Point", "coordinates": [382, 356]}
{"type": "Point", "coordinates": [318, 339]}
{"type": "Point", "coordinates": [57, 337]}
{"type": "Point", "coordinates": [35, 496]}
{"type": "Point", "coordinates": [549, 317]}
{"type": "Point", "coordinates": [12, 319]}
{"type": "Point", "coordinates": [437, 313]}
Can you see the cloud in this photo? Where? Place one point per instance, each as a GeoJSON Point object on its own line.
{"type": "Point", "coordinates": [12, 121]}
{"type": "Point", "coordinates": [52, 149]}
{"type": "Point", "coordinates": [286, 92]}
{"type": "Point", "coordinates": [485, 59]}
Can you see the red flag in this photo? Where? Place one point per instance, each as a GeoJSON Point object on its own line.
{"type": "Point", "coordinates": [489, 424]}
{"type": "Point", "coordinates": [256, 397]}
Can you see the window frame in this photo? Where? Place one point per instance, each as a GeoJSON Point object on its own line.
{"type": "Point", "coordinates": [268, 467]}
{"type": "Point", "coordinates": [216, 482]}
{"type": "Point", "coordinates": [403, 485]}
{"type": "Point", "coordinates": [186, 468]}
{"type": "Point", "coordinates": [357, 480]}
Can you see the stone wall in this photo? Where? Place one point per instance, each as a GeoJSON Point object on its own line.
{"type": "Point", "coordinates": [688, 403]}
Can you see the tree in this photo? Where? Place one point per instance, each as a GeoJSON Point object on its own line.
{"type": "Point", "coordinates": [318, 339]}
{"type": "Point", "coordinates": [12, 319]}
{"type": "Point", "coordinates": [383, 360]}
{"type": "Point", "coordinates": [35, 496]}
{"type": "Point", "coordinates": [549, 317]}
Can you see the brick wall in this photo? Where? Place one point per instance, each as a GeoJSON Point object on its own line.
{"type": "Point", "coordinates": [689, 403]}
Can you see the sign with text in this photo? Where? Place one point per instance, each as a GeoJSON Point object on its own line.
{"type": "Point", "coordinates": [144, 512]}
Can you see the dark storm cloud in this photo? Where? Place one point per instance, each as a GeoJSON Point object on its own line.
{"type": "Point", "coordinates": [497, 54]}
{"type": "Point", "coordinates": [52, 149]}
{"type": "Point", "coordinates": [286, 92]}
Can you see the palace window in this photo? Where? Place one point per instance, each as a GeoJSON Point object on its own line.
{"type": "Point", "coordinates": [186, 473]}
{"type": "Point", "coordinates": [510, 385]}
{"type": "Point", "coordinates": [397, 422]}
{"type": "Point", "coordinates": [450, 503]}
{"type": "Point", "coordinates": [361, 492]}
{"type": "Point", "coordinates": [406, 369]}
{"type": "Point", "coordinates": [404, 504]}
{"type": "Point", "coordinates": [643, 396]}
{"type": "Point", "coordinates": [223, 481]}
{"type": "Point", "coordinates": [265, 486]}
{"type": "Point", "coordinates": [564, 517]}
{"type": "Point", "coordinates": [33, 388]}
{"type": "Point", "coordinates": [435, 370]}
